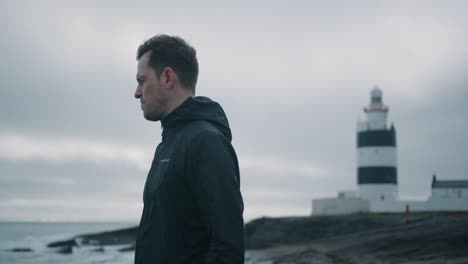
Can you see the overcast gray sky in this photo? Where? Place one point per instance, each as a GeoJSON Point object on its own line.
{"type": "Point", "coordinates": [292, 76]}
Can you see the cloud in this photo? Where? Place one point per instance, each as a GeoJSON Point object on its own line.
{"type": "Point", "coordinates": [70, 210]}
{"type": "Point", "coordinates": [18, 147]}
{"type": "Point", "coordinates": [292, 77]}
{"type": "Point", "coordinates": [281, 165]}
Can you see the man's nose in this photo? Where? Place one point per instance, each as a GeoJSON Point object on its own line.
{"type": "Point", "coordinates": [137, 93]}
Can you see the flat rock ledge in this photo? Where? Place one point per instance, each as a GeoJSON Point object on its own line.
{"type": "Point", "coordinates": [124, 237]}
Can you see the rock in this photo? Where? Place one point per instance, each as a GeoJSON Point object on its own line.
{"type": "Point", "coordinates": [363, 239]}
{"type": "Point", "coordinates": [65, 249]}
{"type": "Point", "coordinates": [64, 243]}
{"type": "Point", "coordinates": [307, 256]}
{"type": "Point", "coordinates": [111, 238]}
{"type": "Point", "coordinates": [268, 232]}
{"type": "Point", "coordinates": [127, 249]}
{"type": "Point", "coordinates": [20, 250]}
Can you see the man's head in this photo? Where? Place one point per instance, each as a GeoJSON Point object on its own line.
{"type": "Point", "coordinates": [167, 74]}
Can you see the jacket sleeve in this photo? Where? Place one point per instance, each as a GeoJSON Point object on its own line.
{"type": "Point", "coordinates": [217, 191]}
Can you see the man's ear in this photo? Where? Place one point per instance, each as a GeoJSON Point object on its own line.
{"type": "Point", "coordinates": [168, 77]}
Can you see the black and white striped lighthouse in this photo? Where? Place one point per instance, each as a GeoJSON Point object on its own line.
{"type": "Point", "coordinates": [376, 153]}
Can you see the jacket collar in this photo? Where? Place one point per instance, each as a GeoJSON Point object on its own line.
{"type": "Point", "coordinates": [193, 109]}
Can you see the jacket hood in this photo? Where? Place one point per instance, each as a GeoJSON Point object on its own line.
{"type": "Point", "coordinates": [197, 108]}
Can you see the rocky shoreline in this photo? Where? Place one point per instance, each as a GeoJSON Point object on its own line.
{"type": "Point", "coordinates": [364, 238]}
{"type": "Point", "coordinates": [122, 237]}
{"type": "Point", "coordinates": [369, 238]}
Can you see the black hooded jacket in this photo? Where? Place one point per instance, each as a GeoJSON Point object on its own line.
{"type": "Point", "coordinates": [192, 202]}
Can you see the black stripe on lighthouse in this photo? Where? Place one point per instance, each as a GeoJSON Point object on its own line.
{"type": "Point", "coordinates": [376, 138]}
{"type": "Point", "coordinates": [378, 175]}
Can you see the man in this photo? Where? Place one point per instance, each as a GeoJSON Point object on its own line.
{"type": "Point", "coordinates": [192, 202]}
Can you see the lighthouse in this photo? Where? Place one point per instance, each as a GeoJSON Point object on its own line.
{"type": "Point", "coordinates": [377, 174]}
{"type": "Point", "coordinates": [377, 155]}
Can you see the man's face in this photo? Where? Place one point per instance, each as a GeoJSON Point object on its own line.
{"type": "Point", "coordinates": [150, 91]}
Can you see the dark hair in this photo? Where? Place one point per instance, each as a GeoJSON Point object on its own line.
{"type": "Point", "coordinates": [173, 52]}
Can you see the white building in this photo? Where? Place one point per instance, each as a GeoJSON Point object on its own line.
{"type": "Point", "coordinates": [448, 195]}
{"type": "Point", "coordinates": [377, 177]}
{"type": "Point", "coordinates": [345, 203]}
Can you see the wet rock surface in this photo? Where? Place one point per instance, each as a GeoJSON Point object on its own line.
{"type": "Point", "coordinates": [125, 236]}
{"type": "Point", "coordinates": [20, 250]}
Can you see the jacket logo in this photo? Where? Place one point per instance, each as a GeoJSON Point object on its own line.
{"type": "Point", "coordinates": [164, 160]}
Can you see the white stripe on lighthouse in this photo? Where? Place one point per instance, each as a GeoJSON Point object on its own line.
{"type": "Point", "coordinates": [377, 157]}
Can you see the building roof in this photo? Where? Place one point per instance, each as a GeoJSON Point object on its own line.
{"type": "Point", "coordinates": [449, 183]}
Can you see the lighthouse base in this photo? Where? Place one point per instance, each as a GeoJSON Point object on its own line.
{"type": "Point", "coordinates": [380, 192]}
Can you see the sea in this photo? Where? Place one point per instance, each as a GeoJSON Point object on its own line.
{"type": "Point", "coordinates": [36, 236]}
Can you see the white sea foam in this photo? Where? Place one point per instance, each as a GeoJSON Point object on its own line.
{"type": "Point", "coordinates": [36, 236]}
{"type": "Point", "coordinates": [79, 255]}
